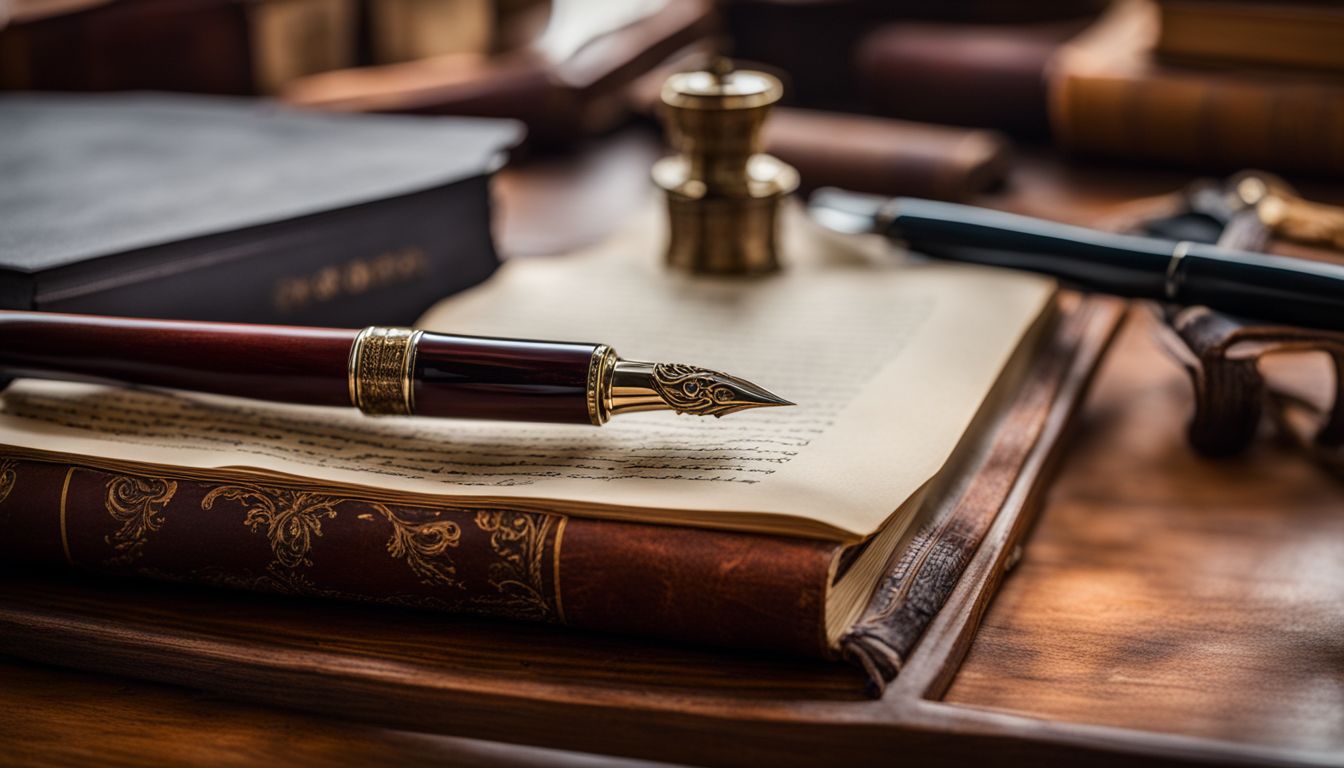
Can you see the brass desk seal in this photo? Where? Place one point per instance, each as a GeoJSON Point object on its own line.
{"type": "Point", "coordinates": [722, 191]}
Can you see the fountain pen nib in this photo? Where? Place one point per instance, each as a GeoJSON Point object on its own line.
{"type": "Point", "coordinates": [702, 392]}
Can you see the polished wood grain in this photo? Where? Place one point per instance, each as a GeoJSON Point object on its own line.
{"type": "Point", "coordinates": [55, 717]}
{"type": "Point", "coordinates": [1169, 593]}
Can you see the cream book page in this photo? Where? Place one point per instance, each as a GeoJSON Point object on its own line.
{"type": "Point", "coordinates": [888, 364]}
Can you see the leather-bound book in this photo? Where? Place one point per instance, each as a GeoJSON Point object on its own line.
{"type": "Point", "coordinates": [766, 531]}
{"type": "Point", "coordinates": [883, 156]}
{"type": "Point", "coordinates": [1298, 33]}
{"type": "Point", "coordinates": [988, 76]}
{"type": "Point", "coordinates": [1111, 97]}
{"type": "Point", "coordinates": [815, 41]}
{"type": "Point", "coordinates": [407, 30]}
{"type": "Point", "coordinates": [213, 208]}
{"type": "Point", "coordinates": [204, 46]}
{"type": "Point", "coordinates": [567, 82]}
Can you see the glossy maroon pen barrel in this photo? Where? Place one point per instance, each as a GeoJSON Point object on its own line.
{"type": "Point", "coordinates": [398, 372]}
{"type": "Point", "coordinates": [480, 378]}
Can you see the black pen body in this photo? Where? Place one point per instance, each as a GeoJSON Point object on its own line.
{"type": "Point", "coordinates": [1279, 289]}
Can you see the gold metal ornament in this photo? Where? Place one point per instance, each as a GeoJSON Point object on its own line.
{"type": "Point", "coordinates": [382, 363]}
{"type": "Point", "coordinates": [722, 192]}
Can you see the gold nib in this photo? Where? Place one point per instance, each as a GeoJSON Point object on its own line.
{"type": "Point", "coordinates": [634, 386]}
{"type": "Point", "coordinates": [702, 392]}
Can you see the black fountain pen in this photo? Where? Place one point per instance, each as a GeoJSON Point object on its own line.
{"type": "Point", "coordinates": [1274, 288]}
{"type": "Point", "coordinates": [379, 370]}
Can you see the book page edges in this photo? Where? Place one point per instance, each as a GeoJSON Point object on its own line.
{"type": "Point", "coordinates": [849, 595]}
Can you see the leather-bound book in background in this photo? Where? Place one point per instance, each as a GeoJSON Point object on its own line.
{"type": "Point", "coordinates": [988, 76]}
{"type": "Point", "coordinates": [204, 46]}
{"type": "Point", "coordinates": [1111, 97]}
{"type": "Point", "coordinates": [567, 82]}
{"type": "Point", "coordinates": [212, 208]}
{"type": "Point", "coordinates": [882, 156]}
{"type": "Point", "coordinates": [815, 41]}
{"type": "Point", "coordinates": [1295, 33]}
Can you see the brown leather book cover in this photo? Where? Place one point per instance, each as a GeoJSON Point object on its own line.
{"type": "Point", "coordinates": [962, 74]}
{"type": "Point", "coordinates": [561, 90]}
{"type": "Point", "coordinates": [883, 156]}
{"type": "Point", "coordinates": [815, 41]}
{"type": "Point", "coordinates": [1109, 97]}
{"type": "Point", "coordinates": [1255, 32]}
{"type": "Point", "coordinates": [274, 536]}
{"type": "Point", "coordinates": [236, 47]}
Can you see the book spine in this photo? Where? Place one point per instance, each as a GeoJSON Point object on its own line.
{"type": "Point", "coordinates": [1296, 34]}
{"type": "Point", "coordinates": [1209, 121]}
{"type": "Point", "coordinates": [382, 262]}
{"type": "Point", "coordinates": [201, 46]}
{"type": "Point", "coordinates": [976, 76]}
{"type": "Point", "coordinates": [685, 585]}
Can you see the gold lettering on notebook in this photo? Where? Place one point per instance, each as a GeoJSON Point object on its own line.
{"type": "Point", "coordinates": [137, 503]}
{"type": "Point", "coordinates": [350, 278]}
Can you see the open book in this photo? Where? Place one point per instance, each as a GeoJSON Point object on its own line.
{"type": "Point", "coordinates": [769, 528]}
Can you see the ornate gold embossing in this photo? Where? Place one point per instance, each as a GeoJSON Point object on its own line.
{"type": "Point", "coordinates": [519, 540]}
{"type": "Point", "coordinates": [292, 518]}
{"type": "Point", "coordinates": [702, 392]}
{"type": "Point", "coordinates": [8, 476]}
{"type": "Point", "coordinates": [419, 542]}
{"type": "Point", "coordinates": [382, 362]}
{"type": "Point", "coordinates": [137, 503]}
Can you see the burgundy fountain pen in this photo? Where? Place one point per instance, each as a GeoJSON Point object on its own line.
{"type": "Point", "coordinates": [377, 370]}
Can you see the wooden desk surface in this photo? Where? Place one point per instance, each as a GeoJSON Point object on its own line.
{"type": "Point", "coordinates": [1168, 593]}
{"type": "Point", "coordinates": [1159, 591]}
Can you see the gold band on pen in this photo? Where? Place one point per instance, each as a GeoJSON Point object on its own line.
{"type": "Point", "coordinates": [600, 367]}
{"type": "Point", "coordinates": [1171, 285]}
{"type": "Point", "coordinates": [381, 371]}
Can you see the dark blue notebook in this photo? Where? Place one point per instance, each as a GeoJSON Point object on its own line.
{"type": "Point", "coordinates": [216, 208]}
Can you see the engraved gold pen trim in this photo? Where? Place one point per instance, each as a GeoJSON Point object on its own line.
{"type": "Point", "coordinates": [381, 379]}
{"type": "Point", "coordinates": [381, 371]}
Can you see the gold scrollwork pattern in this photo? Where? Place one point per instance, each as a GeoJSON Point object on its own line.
{"type": "Point", "coordinates": [292, 518]}
{"type": "Point", "coordinates": [420, 543]}
{"type": "Point", "coordinates": [137, 503]}
{"type": "Point", "coordinates": [698, 391]}
{"type": "Point", "coordinates": [8, 476]}
{"type": "Point", "coordinates": [519, 540]}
